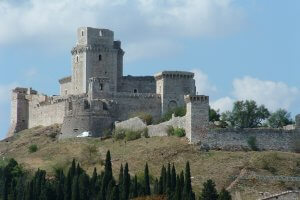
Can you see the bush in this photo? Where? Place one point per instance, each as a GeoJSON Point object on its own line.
{"type": "Point", "coordinates": [147, 118]}
{"type": "Point", "coordinates": [179, 132]}
{"type": "Point", "coordinates": [119, 134]}
{"type": "Point", "coordinates": [32, 148]}
{"type": "Point", "coordinates": [132, 135]}
{"type": "Point", "coordinates": [178, 112]}
{"type": "Point", "coordinates": [252, 143]}
{"type": "Point", "coordinates": [170, 130]}
{"type": "Point", "coordinates": [145, 133]}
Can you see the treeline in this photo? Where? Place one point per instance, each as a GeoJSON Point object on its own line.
{"type": "Point", "coordinates": [78, 185]}
{"type": "Point", "coordinates": [247, 114]}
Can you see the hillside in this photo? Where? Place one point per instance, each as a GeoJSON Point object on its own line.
{"type": "Point", "coordinates": [221, 166]}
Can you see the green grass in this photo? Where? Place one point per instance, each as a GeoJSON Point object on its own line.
{"type": "Point", "coordinates": [221, 166]}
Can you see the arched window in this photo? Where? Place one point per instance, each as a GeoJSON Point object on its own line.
{"type": "Point", "coordinates": [100, 33]}
{"type": "Point", "coordinates": [100, 57]}
{"type": "Point", "coordinates": [77, 58]}
{"type": "Point", "coordinates": [135, 91]}
{"type": "Point", "coordinates": [101, 86]}
{"type": "Point", "coordinates": [82, 33]}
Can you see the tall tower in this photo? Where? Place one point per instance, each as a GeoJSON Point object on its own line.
{"type": "Point", "coordinates": [96, 54]}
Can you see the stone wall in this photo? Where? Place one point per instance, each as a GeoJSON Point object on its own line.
{"type": "Point", "coordinates": [236, 139]}
{"type": "Point", "coordinates": [288, 195]}
{"type": "Point", "coordinates": [47, 112]}
{"type": "Point", "coordinates": [162, 128]}
{"type": "Point", "coordinates": [135, 124]}
{"type": "Point", "coordinates": [137, 84]}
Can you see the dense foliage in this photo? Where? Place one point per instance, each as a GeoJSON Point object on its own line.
{"type": "Point", "coordinates": [78, 185]}
{"type": "Point", "coordinates": [214, 115]}
{"type": "Point", "coordinates": [246, 114]}
{"type": "Point", "coordinates": [178, 112]}
{"type": "Point", "coordinates": [279, 119]}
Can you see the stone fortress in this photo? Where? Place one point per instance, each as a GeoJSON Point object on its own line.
{"type": "Point", "coordinates": [97, 96]}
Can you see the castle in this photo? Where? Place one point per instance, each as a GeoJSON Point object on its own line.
{"type": "Point", "coordinates": [97, 94]}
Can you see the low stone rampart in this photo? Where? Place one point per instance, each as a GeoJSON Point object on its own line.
{"type": "Point", "coordinates": [135, 124]}
{"type": "Point", "coordinates": [237, 139]}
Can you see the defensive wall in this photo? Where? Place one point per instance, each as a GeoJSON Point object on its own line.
{"type": "Point", "coordinates": [196, 126]}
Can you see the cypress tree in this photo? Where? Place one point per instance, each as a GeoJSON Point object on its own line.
{"type": "Point", "coordinates": [126, 183]}
{"type": "Point", "coordinates": [173, 178]}
{"type": "Point", "coordinates": [107, 177]}
{"type": "Point", "coordinates": [84, 186]}
{"type": "Point", "coordinates": [75, 189]}
{"type": "Point", "coordinates": [60, 186]}
{"type": "Point", "coordinates": [169, 179]}
{"type": "Point", "coordinates": [93, 182]}
{"type": "Point", "coordinates": [147, 180]}
{"type": "Point", "coordinates": [181, 178]}
{"type": "Point", "coordinates": [121, 175]}
{"type": "Point", "coordinates": [178, 189]}
{"type": "Point", "coordinates": [72, 169]}
{"type": "Point", "coordinates": [188, 183]}
{"type": "Point", "coordinates": [156, 187]}
{"type": "Point", "coordinates": [135, 187]}
{"type": "Point", "coordinates": [209, 191]}
{"type": "Point", "coordinates": [160, 185]}
{"type": "Point", "coordinates": [115, 193]}
{"type": "Point", "coordinates": [110, 187]}
{"type": "Point", "coordinates": [224, 195]}
{"type": "Point", "coordinates": [68, 186]}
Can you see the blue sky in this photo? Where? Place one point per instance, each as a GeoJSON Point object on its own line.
{"type": "Point", "coordinates": [238, 49]}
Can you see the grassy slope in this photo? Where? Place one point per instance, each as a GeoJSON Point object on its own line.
{"type": "Point", "coordinates": [221, 166]}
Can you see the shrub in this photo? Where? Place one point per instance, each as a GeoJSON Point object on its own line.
{"type": "Point", "coordinates": [145, 133]}
{"type": "Point", "coordinates": [132, 135]}
{"type": "Point", "coordinates": [32, 148]}
{"type": "Point", "coordinates": [147, 118]}
{"type": "Point", "coordinates": [178, 112]}
{"type": "Point", "coordinates": [179, 132]}
{"type": "Point", "coordinates": [107, 133]}
{"type": "Point", "coordinates": [252, 143]}
{"type": "Point", "coordinates": [170, 130]}
{"type": "Point", "coordinates": [119, 134]}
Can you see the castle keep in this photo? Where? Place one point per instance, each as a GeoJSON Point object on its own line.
{"type": "Point", "coordinates": [97, 94]}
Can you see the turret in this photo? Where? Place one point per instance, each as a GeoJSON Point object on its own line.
{"type": "Point", "coordinates": [197, 116]}
{"type": "Point", "coordinates": [172, 86]}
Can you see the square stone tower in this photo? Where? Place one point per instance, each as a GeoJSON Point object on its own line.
{"type": "Point", "coordinates": [172, 86]}
{"type": "Point", "coordinates": [96, 54]}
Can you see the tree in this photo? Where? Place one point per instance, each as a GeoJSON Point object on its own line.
{"type": "Point", "coordinates": [188, 183]}
{"type": "Point", "coordinates": [173, 178]}
{"type": "Point", "coordinates": [224, 195]}
{"type": "Point", "coordinates": [279, 119]}
{"type": "Point", "coordinates": [246, 114]}
{"type": "Point", "coordinates": [147, 180]}
{"type": "Point", "coordinates": [135, 187]}
{"type": "Point", "coordinates": [209, 191]}
{"type": "Point", "coordinates": [126, 183]}
{"type": "Point", "coordinates": [75, 189]}
{"type": "Point", "coordinates": [107, 177]}
{"type": "Point", "coordinates": [214, 115]}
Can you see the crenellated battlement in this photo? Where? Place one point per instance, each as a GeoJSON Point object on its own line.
{"type": "Point", "coordinates": [174, 75]}
{"type": "Point", "coordinates": [196, 98]}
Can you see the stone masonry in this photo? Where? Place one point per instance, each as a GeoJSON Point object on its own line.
{"type": "Point", "coordinates": [97, 93]}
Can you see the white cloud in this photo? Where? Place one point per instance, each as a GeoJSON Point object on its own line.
{"type": "Point", "coordinates": [203, 85]}
{"type": "Point", "coordinates": [150, 49]}
{"type": "Point", "coordinates": [54, 21]}
{"type": "Point", "coordinates": [5, 92]}
{"type": "Point", "coordinates": [223, 104]}
{"type": "Point", "coordinates": [272, 94]}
